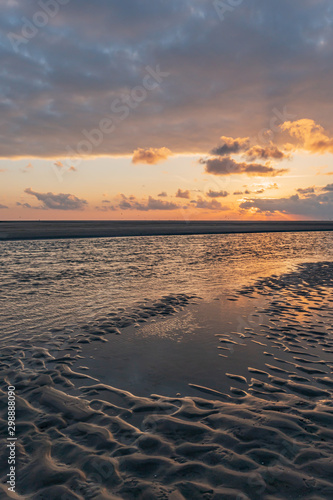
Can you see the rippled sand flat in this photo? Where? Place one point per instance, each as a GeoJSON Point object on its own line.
{"type": "Point", "coordinates": [261, 429]}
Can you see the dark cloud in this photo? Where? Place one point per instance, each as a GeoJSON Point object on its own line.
{"type": "Point", "coordinates": [25, 205]}
{"type": "Point", "coordinates": [217, 194]}
{"type": "Point", "coordinates": [131, 203]}
{"type": "Point", "coordinates": [231, 146]}
{"type": "Point", "coordinates": [229, 166]}
{"type": "Point", "coordinates": [59, 201]}
{"type": "Point", "coordinates": [163, 194]}
{"type": "Point", "coordinates": [3, 206]}
{"type": "Point", "coordinates": [61, 82]}
{"type": "Point", "coordinates": [183, 194]}
{"type": "Point", "coordinates": [315, 206]}
{"type": "Point", "coordinates": [329, 187]}
{"type": "Point", "coordinates": [154, 204]}
{"type": "Point", "coordinates": [208, 205]}
{"type": "Point", "coordinates": [305, 191]}
{"type": "Point", "coordinates": [106, 208]}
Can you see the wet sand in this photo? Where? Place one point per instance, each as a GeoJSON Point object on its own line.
{"type": "Point", "coordinates": [21, 230]}
{"type": "Point", "coordinates": [260, 427]}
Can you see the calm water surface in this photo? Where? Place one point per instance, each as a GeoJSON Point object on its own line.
{"type": "Point", "coordinates": [64, 283]}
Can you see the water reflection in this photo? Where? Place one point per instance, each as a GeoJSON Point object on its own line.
{"type": "Point", "coordinates": [61, 282]}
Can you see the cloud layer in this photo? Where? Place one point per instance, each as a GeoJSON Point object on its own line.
{"type": "Point", "coordinates": [89, 64]}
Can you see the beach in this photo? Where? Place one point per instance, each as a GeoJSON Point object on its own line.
{"type": "Point", "coordinates": [187, 375]}
{"type": "Point", "coordinates": [166, 250]}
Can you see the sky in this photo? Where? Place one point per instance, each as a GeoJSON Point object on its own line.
{"type": "Point", "coordinates": [177, 109]}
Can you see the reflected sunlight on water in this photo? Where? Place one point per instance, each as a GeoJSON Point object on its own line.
{"type": "Point", "coordinates": [66, 282]}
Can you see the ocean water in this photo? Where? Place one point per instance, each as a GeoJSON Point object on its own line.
{"type": "Point", "coordinates": [65, 283]}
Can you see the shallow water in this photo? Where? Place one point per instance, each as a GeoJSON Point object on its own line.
{"type": "Point", "coordinates": [65, 283]}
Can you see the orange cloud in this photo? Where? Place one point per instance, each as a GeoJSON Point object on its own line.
{"type": "Point", "coordinates": [309, 136]}
{"type": "Point", "coordinates": [151, 156]}
{"type": "Point", "coordinates": [266, 152]}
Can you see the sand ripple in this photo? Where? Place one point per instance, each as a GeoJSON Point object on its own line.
{"type": "Point", "coordinates": [270, 438]}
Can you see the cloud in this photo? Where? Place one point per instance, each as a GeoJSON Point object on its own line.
{"type": "Point", "coordinates": [231, 146]}
{"type": "Point", "coordinates": [309, 136]}
{"type": "Point", "coordinates": [183, 194]}
{"type": "Point", "coordinates": [151, 156]}
{"type": "Point", "coordinates": [59, 201]}
{"type": "Point", "coordinates": [3, 206]}
{"type": "Point", "coordinates": [314, 206]}
{"type": "Point", "coordinates": [217, 194]}
{"type": "Point", "coordinates": [229, 166]}
{"type": "Point", "coordinates": [106, 208]}
{"type": "Point", "coordinates": [329, 187]}
{"type": "Point", "coordinates": [154, 204]}
{"type": "Point", "coordinates": [224, 164]}
{"type": "Point", "coordinates": [25, 205]}
{"type": "Point", "coordinates": [131, 203]}
{"type": "Point", "coordinates": [208, 205]}
{"type": "Point", "coordinates": [266, 153]}
{"type": "Point", "coordinates": [163, 194]}
{"type": "Point", "coordinates": [306, 191]}
{"type": "Point", "coordinates": [260, 189]}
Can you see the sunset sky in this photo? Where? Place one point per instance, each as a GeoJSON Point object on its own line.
{"type": "Point", "coordinates": [166, 109]}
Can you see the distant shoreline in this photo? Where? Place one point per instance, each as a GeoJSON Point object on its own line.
{"type": "Point", "coordinates": [33, 230]}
